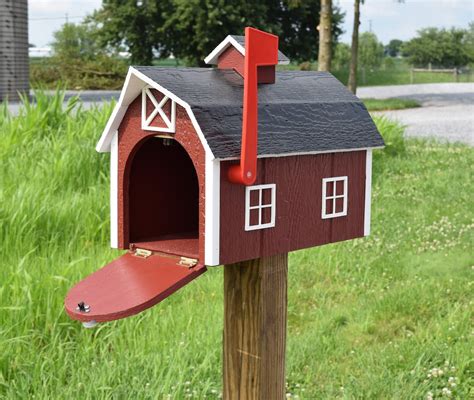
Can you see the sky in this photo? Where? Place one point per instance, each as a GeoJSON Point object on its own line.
{"type": "Point", "coordinates": [388, 19]}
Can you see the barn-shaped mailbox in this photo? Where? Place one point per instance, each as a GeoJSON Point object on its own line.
{"type": "Point", "coordinates": [174, 137]}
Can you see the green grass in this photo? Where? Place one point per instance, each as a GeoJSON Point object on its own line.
{"type": "Point", "coordinates": [402, 76]}
{"type": "Point", "coordinates": [389, 104]}
{"type": "Point", "coordinates": [396, 72]}
{"type": "Point", "coordinates": [44, 73]}
{"type": "Point", "coordinates": [368, 319]}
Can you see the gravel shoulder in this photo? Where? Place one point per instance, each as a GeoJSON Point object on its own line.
{"type": "Point", "coordinates": [447, 112]}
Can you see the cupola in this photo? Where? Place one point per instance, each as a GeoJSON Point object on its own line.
{"type": "Point", "coordinates": [230, 54]}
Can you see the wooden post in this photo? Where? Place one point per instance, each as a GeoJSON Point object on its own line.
{"type": "Point", "coordinates": [255, 315]}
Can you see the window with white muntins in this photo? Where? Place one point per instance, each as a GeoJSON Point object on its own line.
{"type": "Point", "coordinates": [260, 206]}
{"type": "Point", "coordinates": [335, 192]}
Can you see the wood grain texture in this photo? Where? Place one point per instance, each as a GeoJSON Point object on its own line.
{"type": "Point", "coordinates": [255, 317]}
{"type": "Point", "coordinates": [232, 59]}
{"type": "Point", "coordinates": [183, 244]}
{"type": "Point", "coordinates": [127, 286]}
{"type": "Point", "coordinates": [304, 111]}
{"type": "Point", "coordinates": [298, 221]}
{"type": "Point", "coordinates": [131, 138]}
{"type": "Point", "coordinates": [241, 40]}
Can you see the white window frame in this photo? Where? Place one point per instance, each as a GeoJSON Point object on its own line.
{"type": "Point", "coordinates": [260, 206]}
{"type": "Point", "coordinates": [170, 123]}
{"type": "Point", "coordinates": [333, 196]}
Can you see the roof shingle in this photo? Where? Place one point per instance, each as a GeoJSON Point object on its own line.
{"type": "Point", "coordinates": [302, 112]}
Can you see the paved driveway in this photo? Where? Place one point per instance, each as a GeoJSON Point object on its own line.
{"type": "Point", "coordinates": [447, 111]}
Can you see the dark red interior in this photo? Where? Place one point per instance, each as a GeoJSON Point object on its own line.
{"type": "Point", "coordinates": [164, 199]}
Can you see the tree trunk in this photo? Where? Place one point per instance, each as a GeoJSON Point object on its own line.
{"type": "Point", "coordinates": [324, 56]}
{"type": "Point", "coordinates": [352, 84]}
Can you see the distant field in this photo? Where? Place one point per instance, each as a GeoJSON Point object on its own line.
{"type": "Point", "coordinates": [389, 104]}
{"type": "Point", "coordinates": [396, 73]}
{"type": "Point", "coordinates": [385, 317]}
{"type": "Point", "coordinates": [401, 77]}
{"type": "Point", "coordinates": [43, 74]}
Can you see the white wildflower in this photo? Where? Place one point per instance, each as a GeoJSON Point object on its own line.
{"type": "Point", "coordinates": [446, 392]}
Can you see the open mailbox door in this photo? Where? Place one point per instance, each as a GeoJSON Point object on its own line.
{"type": "Point", "coordinates": [130, 284]}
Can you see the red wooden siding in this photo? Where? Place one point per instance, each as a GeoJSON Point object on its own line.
{"type": "Point", "coordinates": [298, 223]}
{"type": "Point", "coordinates": [131, 140]}
{"type": "Point", "coordinates": [231, 58]}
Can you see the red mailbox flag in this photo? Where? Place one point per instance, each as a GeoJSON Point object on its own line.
{"type": "Point", "coordinates": [261, 48]}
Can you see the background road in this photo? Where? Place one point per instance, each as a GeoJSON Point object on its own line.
{"type": "Point", "coordinates": [447, 111]}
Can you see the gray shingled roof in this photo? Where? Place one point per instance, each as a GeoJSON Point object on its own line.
{"type": "Point", "coordinates": [282, 59]}
{"type": "Point", "coordinates": [302, 112]}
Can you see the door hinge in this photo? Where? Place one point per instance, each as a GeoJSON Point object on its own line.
{"type": "Point", "coordinates": [142, 253]}
{"type": "Point", "coordinates": [187, 262]}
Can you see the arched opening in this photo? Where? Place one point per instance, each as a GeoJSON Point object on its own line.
{"type": "Point", "coordinates": [163, 199]}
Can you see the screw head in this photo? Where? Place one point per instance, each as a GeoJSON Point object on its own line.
{"type": "Point", "coordinates": [83, 307]}
{"type": "Point", "coordinates": [249, 174]}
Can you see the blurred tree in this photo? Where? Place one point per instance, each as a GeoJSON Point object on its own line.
{"type": "Point", "coordinates": [75, 41]}
{"type": "Point", "coordinates": [342, 56]}
{"type": "Point", "coordinates": [133, 24]}
{"type": "Point", "coordinates": [193, 28]}
{"type": "Point", "coordinates": [388, 63]}
{"type": "Point", "coordinates": [393, 48]}
{"type": "Point", "coordinates": [79, 61]}
{"type": "Point", "coordinates": [324, 29]}
{"type": "Point", "coordinates": [440, 47]}
{"type": "Point", "coordinates": [297, 21]}
{"type": "Point", "coordinates": [190, 29]}
{"type": "Point", "coordinates": [370, 50]}
{"type": "Point", "coordinates": [468, 43]}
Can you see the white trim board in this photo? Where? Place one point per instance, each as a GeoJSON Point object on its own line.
{"type": "Point", "coordinates": [158, 110]}
{"type": "Point", "coordinates": [114, 192]}
{"type": "Point", "coordinates": [212, 58]}
{"type": "Point", "coordinates": [134, 83]}
{"type": "Point", "coordinates": [305, 153]}
{"type": "Point", "coordinates": [368, 192]}
{"type": "Point", "coordinates": [212, 211]}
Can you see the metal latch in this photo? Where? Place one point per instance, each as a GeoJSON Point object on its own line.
{"type": "Point", "coordinates": [187, 262]}
{"type": "Point", "coordinates": [142, 253]}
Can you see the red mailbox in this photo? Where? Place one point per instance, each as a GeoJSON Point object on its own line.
{"type": "Point", "coordinates": [183, 142]}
